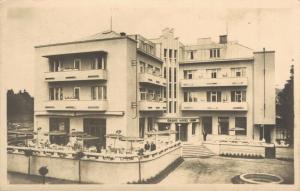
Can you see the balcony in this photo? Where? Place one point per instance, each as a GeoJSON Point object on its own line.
{"type": "Point", "coordinates": [76, 105]}
{"type": "Point", "coordinates": [146, 105]}
{"type": "Point", "coordinates": [214, 82]}
{"type": "Point", "coordinates": [152, 79]}
{"type": "Point", "coordinates": [75, 75]}
{"type": "Point", "coordinates": [214, 106]}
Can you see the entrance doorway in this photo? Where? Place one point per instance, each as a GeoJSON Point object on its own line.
{"type": "Point", "coordinates": [181, 129]}
{"type": "Point", "coordinates": [97, 128]}
{"type": "Point", "coordinates": [265, 132]}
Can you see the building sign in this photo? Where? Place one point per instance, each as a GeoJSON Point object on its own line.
{"type": "Point", "coordinates": [177, 120]}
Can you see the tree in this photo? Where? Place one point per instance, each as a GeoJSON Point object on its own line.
{"type": "Point", "coordinates": [285, 107]}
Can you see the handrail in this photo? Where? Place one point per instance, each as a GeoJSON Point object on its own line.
{"type": "Point", "coordinates": [73, 70]}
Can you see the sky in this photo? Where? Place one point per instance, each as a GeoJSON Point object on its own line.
{"type": "Point", "coordinates": [255, 24]}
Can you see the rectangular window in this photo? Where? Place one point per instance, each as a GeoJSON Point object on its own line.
{"type": "Point", "coordinates": [165, 72]}
{"type": "Point", "coordinates": [238, 72]}
{"type": "Point", "coordinates": [170, 53]}
{"type": "Point", "coordinates": [165, 52]}
{"type": "Point", "coordinates": [170, 90]}
{"type": "Point", "coordinates": [188, 74]}
{"type": "Point", "coordinates": [165, 92]}
{"type": "Point", "coordinates": [175, 90]}
{"type": "Point", "coordinates": [238, 96]}
{"type": "Point", "coordinates": [76, 93]}
{"type": "Point", "coordinates": [207, 125]}
{"type": "Point", "coordinates": [213, 96]}
{"type": "Point", "coordinates": [101, 92]}
{"type": "Point", "coordinates": [192, 55]}
{"type": "Point", "coordinates": [150, 124]}
{"type": "Point", "coordinates": [62, 125]}
{"type": "Point", "coordinates": [170, 107]}
{"type": "Point", "coordinates": [143, 94]}
{"type": "Point", "coordinates": [77, 63]}
{"type": "Point", "coordinates": [55, 66]}
{"type": "Point", "coordinates": [194, 125]}
{"type": "Point", "coordinates": [175, 106]}
{"type": "Point", "coordinates": [241, 125]}
{"type": "Point", "coordinates": [175, 54]}
{"type": "Point", "coordinates": [185, 96]}
{"type": "Point", "coordinates": [141, 127]}
{"type": "Point", "coordinates": [175, 74]}
{"type": "Point", "coordinates": [170, 74]}
{"type": "Point", "coordinates": [212, 73]}
{"type": "Point", "coordinates": [223, 127]}
{"type": "Point", "coordinates": [56, 94]}
{"type": "Point", "coordinates": [214, 53]}
{"type": "Point", "coordinates": [142, 67]}
{"type": "Point", "coordinates": [98, 63]}
{"type": "Point", "coordinates": [51, 94]}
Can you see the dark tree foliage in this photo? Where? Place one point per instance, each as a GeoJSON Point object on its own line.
{"type": "Point", "coordinates": [19, 104]}
{"type": "Point", "coordinates": [285, 106]}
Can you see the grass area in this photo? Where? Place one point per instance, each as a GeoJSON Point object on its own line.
{"type": "Point", "coordinates": [221, 170]}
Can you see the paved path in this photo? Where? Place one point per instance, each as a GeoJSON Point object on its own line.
{"type": "Point", "coordinates": [221, 169]}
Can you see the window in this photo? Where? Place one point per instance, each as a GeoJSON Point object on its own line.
{"type": "Point", "coordinates": [157, 71]}
{"type": "Point", "coordinates": [188, 74]}
{"type": "Point", "coordinates": [175, 90]}
{"type": "Point", "coordinates": [192, 55]}
{"type": "Point", "coordinates": [77, 63]}
{"type": "Point", "coordinates": [141, 127]}
{"type": "Point", "coordinates": [142, 67]}
{"type": "Point", "coordinates": [143, 93]}
{"type": "Point", "coordinates": [170, 90]}
{"type": "Point", "coordinates": [165, 52]}
{"type": "Point", "coordinates": [150, 95]}
{"type": "Point", "coordinates": [76, 93]}
{"type": "Point", "coordinates": [240, 125]}
{"type": "Point", "coordinates": [188, 97]}
{"type": "Point", "coordinates": [238, 72]}
{"type": "Point", "coordinates": [175, 73]}
{"type": "Point", "coordinates": [170, 74]}
{"type": "Point", "coordinates": [99, 63]}
{"type": "Point", "coordinates": [56, 94]}
{"type": "Point", "coordinates": [150, 124]}
{"type": "Point", "coordinates": [238, 96]}
{"type": "Point", "coordinates": [170, 107]}
{"type": "Point", "coordinates": [223, 125]}
{"type": "Point", "coordinates": [101, 92]}
{"type": "Point", "coordinates": [165, 72]}
{"type": "Point", "coordinates": [175, 54]}
{"type": "Point", "coordinates": [212, 73]}
{"type": "Point", "coordinates": [207, 124]}
{"type": "Point", "coordinates": [175, 106]}
{"type": "Point", "coordinates": [170, 53]}
{"type": "Point", "coordinates": [59, 124]}
{"type": "Point", "coordinates": [214, 53]}
{"type": "Point", "coordinates": [55, 66]}
{"type": "Point", "coordinates": [150, 69]}
{"type": "Point", "coordinates": [165, 92]}
{"type": "Point", "coordinates": [213, 96]}
{"type": "Point", "coordinates": [194, 125]}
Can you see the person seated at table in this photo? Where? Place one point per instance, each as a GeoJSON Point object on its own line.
{"type": "Point", "coordinates": [152, 146]}
{"type": "Point", "coordinates": [147, 146]}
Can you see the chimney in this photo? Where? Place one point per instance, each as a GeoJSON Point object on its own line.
{"type": "Point", "coordinates": [122, 34]}
{"type": "Point", "coordinates": [223, 39]}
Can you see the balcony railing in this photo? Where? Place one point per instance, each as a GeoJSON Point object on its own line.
{"type": "Point", "coordinates": [213, 82]}
{"type": "Point", "coordinates": [152, 79]}
{"type": "Point", "coordinates": [214, 106]}
{"type": "Point", "coordinates": [76, 105]}
{"type": "Point", "coordinates": [75, 75]}
{"type": "Point", "coordinates": [152, 105]}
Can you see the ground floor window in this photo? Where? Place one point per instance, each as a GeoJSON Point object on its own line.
{"type": "Point", "coordinates": [96, 128]}
{"type": "Point", "coordinates": [150, 124]}
{"type": "Point", "coordinates": [59, 125]}
{"type": "Point", "coordinates": [141, 127]}
{"type": "Point", "coordinates": [223, 126]}
{"type": "Point", "coordinates": [194, 126]}
{"type": "Point", "coordinates": [207, 125]}
{"type": "Point", "coordinates": [241, 125]}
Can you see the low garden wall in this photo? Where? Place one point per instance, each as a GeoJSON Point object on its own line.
{"type": "Point", "coordinates": [96, 168]}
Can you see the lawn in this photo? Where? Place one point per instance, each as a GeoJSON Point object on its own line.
{"type": "Point", "coordinates": [220, 170]}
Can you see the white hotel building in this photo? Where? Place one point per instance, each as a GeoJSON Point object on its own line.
{"type": "Point", "coordinates": [111, 81]}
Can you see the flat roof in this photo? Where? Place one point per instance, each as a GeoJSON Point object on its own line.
{"type": "Point", "coordinates": [216, 60]}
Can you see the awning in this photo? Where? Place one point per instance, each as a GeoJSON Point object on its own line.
{"type": "Point", "coordinates": [87, 138]}
{"type": "Point", "coordinates": [165, 132]}
{"type": "Point", "coordinates": [21, 132]}
{"type": "Point", "coordinates": [56, 133]}
{"type": "Point", "coordinates": [132, 139]}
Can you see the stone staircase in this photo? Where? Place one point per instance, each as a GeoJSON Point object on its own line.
{"type": "Point", "coordinates": [191, 150]}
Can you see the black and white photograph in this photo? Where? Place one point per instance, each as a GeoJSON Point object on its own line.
{"type": "Point", "coordinates": [149, 93]}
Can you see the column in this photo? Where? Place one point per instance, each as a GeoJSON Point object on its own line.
{"type": "Point", "coordinates": [173, 128]}
{"type": "Point", "coordinates": [189, 133]}
{"type": "Point", "coordinates": [231, 125]}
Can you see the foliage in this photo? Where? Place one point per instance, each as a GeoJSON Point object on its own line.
{"type": "Point", "coordinates": [285, 106]}
{"type": "Point", "coordinates": [19, 104]}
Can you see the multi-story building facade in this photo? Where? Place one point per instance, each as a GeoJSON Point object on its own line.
{"type": "Point", "coordinates": [110, 81]}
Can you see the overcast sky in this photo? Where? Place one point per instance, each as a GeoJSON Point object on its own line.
{"type": "Point", "coordinates": [256, 24]}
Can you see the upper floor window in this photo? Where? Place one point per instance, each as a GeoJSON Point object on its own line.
{"type": "Point", "coordinates": [175, 54]}
{"type": "Point", "coordinates": [192, 55]}
{"type": "Point", "coordinates": [212, 73]}
{"type": "Point", "coordinates": [99, 63]}
{"type": "Point", "coordinates": [214, 53]}
{"type": "Point", "coordinates": [142, 66]}
{"type": "Point", "coordinates": [188, 74]}
{"type": "Point", "coordinates": [55, 66]}
{"type": "Point", "coordinates": [238, 72]}
{"type": "Point", "coordinates": [76, 93]}
{"type": "Point", "coordinates": [170, 53]}
{"type": "Point", "coordinates": [189, 97]}
{"type": "Point", "coordinates": [56, 93]}
{"type": "Point", "coordinates": [238, 96]}
{"type": "Point", "coordinates": [77, 64]}
{"type": "Point", "coordinates": [165, 52]}
{"type": "Point", "coordinates": [241, 123]}
{"type": "Point", "coordinates": [213, 96]}
{"type": "Point", "coordinates": [98, 92]}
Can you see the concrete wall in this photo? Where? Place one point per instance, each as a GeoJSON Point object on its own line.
{"type": "Point", "coordinates": [93, 171]}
